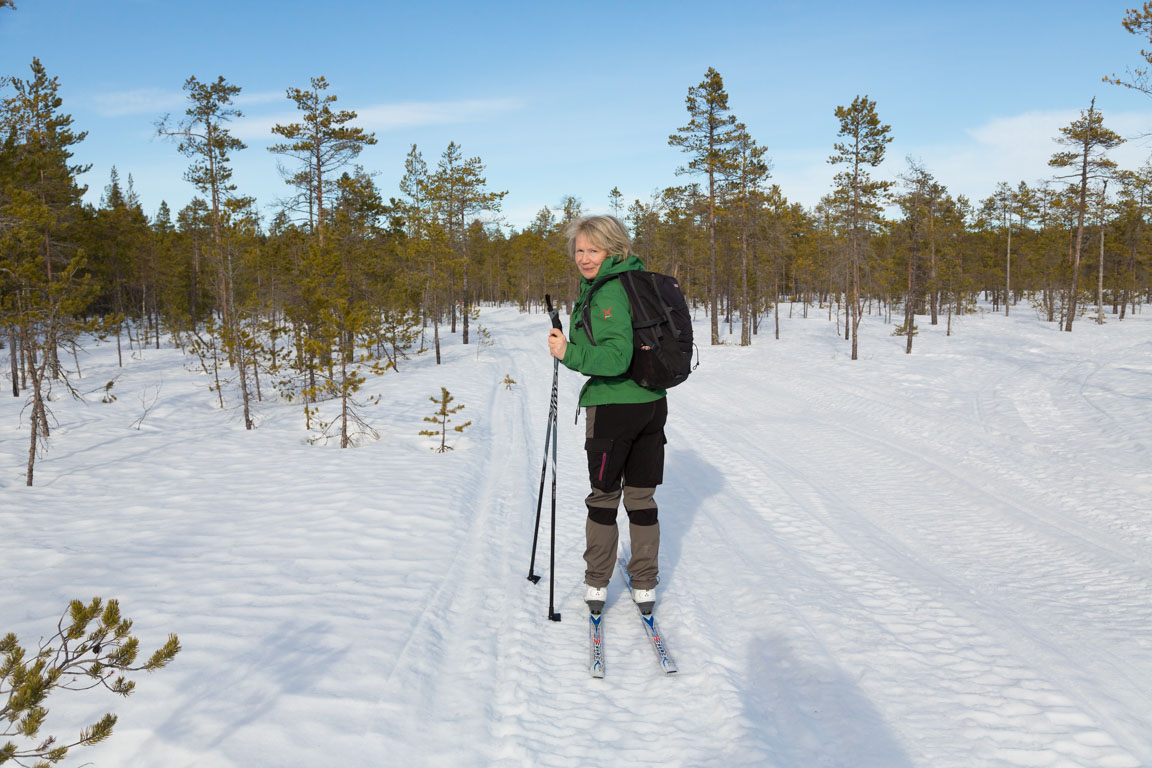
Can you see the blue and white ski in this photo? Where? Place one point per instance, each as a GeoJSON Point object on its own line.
{"type": "Point", "coordinates": [596, 644]}
{"type": "Point", "coordinates": [651, 628]}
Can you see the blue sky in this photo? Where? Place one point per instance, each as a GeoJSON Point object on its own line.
{"type": "Point", "coordinates": [576, 98]}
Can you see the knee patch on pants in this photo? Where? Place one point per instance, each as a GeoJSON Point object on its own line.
{"type": "Point", "coordinates": [644, 517]}
{"type": "Point", "coordinates": [602, 515]}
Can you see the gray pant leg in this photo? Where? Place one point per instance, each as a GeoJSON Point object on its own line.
{"type": "Point", "coordinates": [601, 552]}
{"type": "Point", "coordinates": [645, 565]}
{"type": "Point", "coordinates": [644, 529]}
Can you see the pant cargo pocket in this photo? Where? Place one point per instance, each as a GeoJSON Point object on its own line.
{"type": "Point", "coordinates": [602, 470]}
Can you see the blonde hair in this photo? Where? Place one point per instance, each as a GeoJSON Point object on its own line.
{"type": "Point", "coordinates": [604, 231]}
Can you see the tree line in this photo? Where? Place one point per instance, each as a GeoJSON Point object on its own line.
{"type": "Point", "coordinates": [341, 282]}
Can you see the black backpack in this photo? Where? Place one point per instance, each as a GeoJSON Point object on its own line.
{"type": "Point", "coordinates": [661, 328]}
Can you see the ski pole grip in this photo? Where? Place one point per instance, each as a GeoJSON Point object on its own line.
{"type": "Point", "coordinates": [552, 313]}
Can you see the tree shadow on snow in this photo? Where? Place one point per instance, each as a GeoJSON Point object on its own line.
{"type": "Point", "coordinates": [805, 711]}
{"type": "Point", "coordinates": [243, 689]}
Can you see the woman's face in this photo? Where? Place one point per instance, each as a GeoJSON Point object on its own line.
{"type": "Point", "coordinates": [589, 256]}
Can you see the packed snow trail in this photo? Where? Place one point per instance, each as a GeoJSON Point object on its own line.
{"type": "Point", "coordinates": [942, 559]}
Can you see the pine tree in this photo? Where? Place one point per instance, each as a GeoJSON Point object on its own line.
{"type": "Point", "coordinates": [425, 244]}
{"type": "Point", "coordinates": [442, 420]}
{"type": "Point", "coordinates": [1088, 140]}
{"type": "Point", "coordinates": [204, 137]}
{"type": "Point", "coordinates": [864, 139]}
{"type": "Point", "coordinates": [615, 201]}
{"type": "Point", "coordinates": [322, 144]}
{"type": "Point", "coordinates": [44, 285]}
{"type": "Point", "coordinates": [1138, 22]}
{"type": "Point", "coordinates": [169, 276]}
{"type": "Point", "coordinates": [119, 244]}
{"type": "Point", "coordinates": [744, 182]}
{"type": "Point", "coordinates": [8, 304]}
{"type": "Point", "coordinates": [1001, 205]}
{"type": "Point", "coordinates": [458, 192]}
{"type": "Point", "coordinates": [193, 224]}
{"type": "Point", "coordinates": [914, 203]}
{"type": "Point", "coordinates": [709, 139]}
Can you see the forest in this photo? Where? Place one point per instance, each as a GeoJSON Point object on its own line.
{"type": "Point", "coordinates": [303, 298]}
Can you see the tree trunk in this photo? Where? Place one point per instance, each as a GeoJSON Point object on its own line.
{"type": "Point", "coordinates": [776, 305]}
{"type": "Point", "coordinates": [467, 305]}
{"type": "Point", "coordinates": [39, 420]}
{"type": "Point", "coordinates": [436, 328]}
{"type": "Point", "coordinates": [13, 354]}
{"type": "Point", "coordinates": [712, 287]}
{"type": "Point", "coordinates": [344, 398]}
{"type": "Point", "coordinates": [1008, 272]}
{"type": "Point", "coordinates": [28, 359]}
{"type": "Point", "coordinates": [256, 375]}
{"type": "Point", "coordinates": [1100, 277]}
{"type": "Point", "coordinates": [745, 330]}
{"type": "Point", "coordinates": [452, 302]}
{"type": "Point", "coordinates": [241, 365]}
{"type": "Point", "coordinates": [847, 314]}
{"type": "Point", "coordinates": [909, 314]}
{"type": "Point", "coordinates": [855, 310]}
{"type": "Point", "coordinates": [32, 446]}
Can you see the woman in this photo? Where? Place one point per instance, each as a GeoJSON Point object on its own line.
{"type": "Point", "coordinates": [625, 421]}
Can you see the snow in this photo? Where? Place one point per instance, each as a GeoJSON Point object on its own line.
{"type": "Point", "coordinates": [941, 559]}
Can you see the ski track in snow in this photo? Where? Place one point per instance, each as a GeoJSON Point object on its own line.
{"type": "Point", "coordinates": [935, 560]}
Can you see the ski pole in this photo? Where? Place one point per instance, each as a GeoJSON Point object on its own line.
{"type": "Point", "coordinates": [532, 577]}
{"type": "Point", "coordinates": [552, 615]}
{"type": "Point", "coordinates": [550, 437]}
{"type": "Point", "coordinates": [554, 408]}
{"type": "Point", "coordinates": [552, 415]}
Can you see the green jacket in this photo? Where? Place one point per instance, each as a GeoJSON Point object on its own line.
{"type": "Point", "coordinates": [606, 362]}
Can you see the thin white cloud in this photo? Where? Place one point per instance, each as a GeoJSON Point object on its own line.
{"type": "Point", "coordinates": [137, 102]}
{"type": "Point", "coordinates": [156, 101]}
{"type": "Point", "coordinates": [388, 117]}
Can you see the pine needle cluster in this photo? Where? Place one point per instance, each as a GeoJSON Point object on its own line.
{"type": "Point", "coordinates": [92, 643]}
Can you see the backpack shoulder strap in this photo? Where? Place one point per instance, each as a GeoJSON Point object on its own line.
{"type": "Point", "coordinates": [586, 310]}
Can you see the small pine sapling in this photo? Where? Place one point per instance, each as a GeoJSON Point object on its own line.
{"type": "Point", "coordinates": [481, 331]}
{"type": "Point", "coordinates": [901, 329]}
{"type": "Point", "coordinates": [508, 381]}
{"type": "Point", "coordinates": [76, 658]}
{"type": "Point", "coordinates": [442, 420]}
